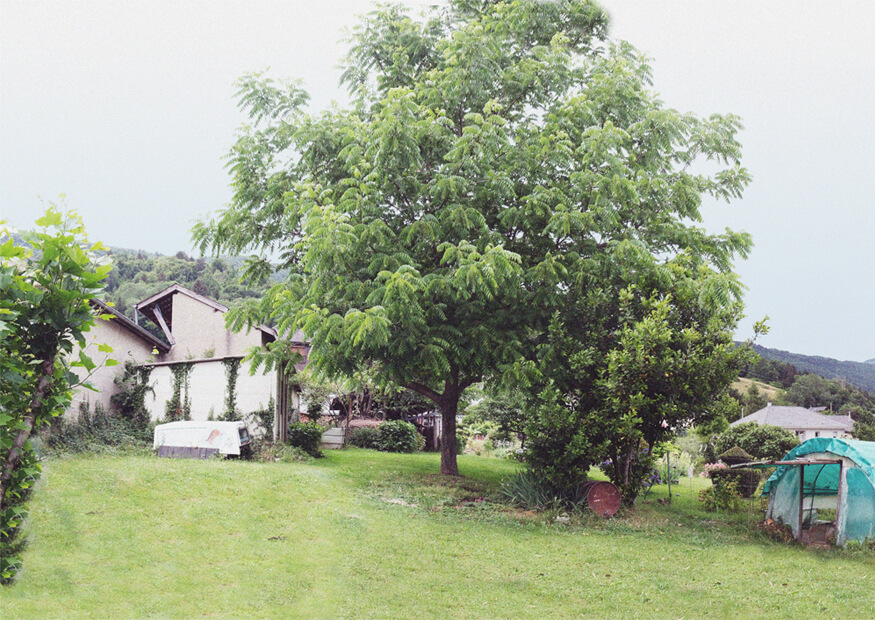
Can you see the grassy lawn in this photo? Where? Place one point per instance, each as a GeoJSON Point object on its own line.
{"type": "Point", "coordinates": [361, 534]}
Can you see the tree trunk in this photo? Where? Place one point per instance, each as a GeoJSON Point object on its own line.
{"type": "Point", "coordinates": [448, 403]}
{"type": "Point", "coordinates": [47, 370]}
{"type": "Point", "coordinates": [449, 408]}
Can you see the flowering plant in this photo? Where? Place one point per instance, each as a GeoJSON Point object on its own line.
{"type": "Point", "coordinates": [709, 467]}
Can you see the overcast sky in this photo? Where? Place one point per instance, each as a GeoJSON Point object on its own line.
{"type": "Point", "coordinates": [128, 108]}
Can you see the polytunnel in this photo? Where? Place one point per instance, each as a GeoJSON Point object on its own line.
{"type": "Point", "coordinates": [824, 489]}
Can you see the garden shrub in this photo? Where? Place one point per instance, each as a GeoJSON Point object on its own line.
{"type": "Point", "coordinates": [745, 480]}
{"type": "Point", "coordinates": [306, 436]}
{"type": "Point", "coordinates": [735, 456]}
{"type": "Point", "coordinates": [679, 464]}
{"type": "Point", "coordinates": [364, 437]}
{"type": "Point", "coordinates": [722, 497]}
{"type": "Point", "coordinates": [399, 436]}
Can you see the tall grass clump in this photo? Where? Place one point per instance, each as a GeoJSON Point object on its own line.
{"type": "Point", "coordinates": [529, 490]}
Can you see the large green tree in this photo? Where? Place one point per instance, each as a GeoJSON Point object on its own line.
{"type": "Point", "coordinates": [632, 358]}
{"type": "Point", "coordinates": [493, 151]}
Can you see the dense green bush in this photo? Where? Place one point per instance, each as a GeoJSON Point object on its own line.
{"type": "Point", "coordinates": [364, 437]}
{"type": "Point", "coordinates": [763, 442]}
{"type": "Point", "coordinates": [722, 497]}
{"type": "Point", "coordinates": [99, 431]}
{"type": "Point", "coordinates": [399, 436]}
{"type": "Point", "coordinates": [305, 436]}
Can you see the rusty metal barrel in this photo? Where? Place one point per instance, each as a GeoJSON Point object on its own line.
{"type": "Point", "coordinates": [603, 498]}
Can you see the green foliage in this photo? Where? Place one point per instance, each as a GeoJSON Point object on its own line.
{"type": "Point", "coordinates": [562, 445]}
{"type": "Point", "coordinates": [305, 436]}
{"type": "Point", "coordinates": [814, 391]}
{"type": "Point", "coordinates": [129, 398]}
{"type": "Point", "coordinates": [137, 275]}
{"type": "Point", "coordinates": [724, 497]}
{"type": "Point", "coordinates": [623, 368]}
{"type": "Point", "coordinates": [528, 489]}
{"type": "Point", "coordinates": [771, 371]}
{"type": "Point", "coordinates": [763, 442]}
{"type": "Point", "coordinates": [232, 371]}
{"type": "Point", "coordinates": [734, 456]}
{"type": "Point", "coordinates": [178, 407]}
{"type": "Point", "coordinates": [754, 400]}
{"type": "Point", "coordinates": [864, 422]}
{"type": "Point", "coordinates": [505, 409]}
{"type": "Point", "coordinates": [675, 466]}
{"type": "Point", "coordinates": [45, 289]}
{"type": "Point", "coordinates": [496, 159]}
{"type": "Point", "coordinates": [269, 452]}
{"type": "Point", "coordinates": [859, 374]}
{"type": "Point", "coordinates": [364, 437]}
{"type": "Point", "coordinates": [100, 431]}
{"type": "Point", "coordinates": [264, 418]}
{"type": "Point", "coordinates": [399, 436]}
{"type": "Point", "coordinates": [746, 481]}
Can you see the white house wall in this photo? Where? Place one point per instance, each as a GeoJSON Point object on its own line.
{"type": "Point", "coordinates": [125, 348]}
{"type": "Point", "coordinates": [805, 435]}
{"type": "Point", "coordinates": [208, 389]}
{"type": "Point", "coordinates": [200, 332]}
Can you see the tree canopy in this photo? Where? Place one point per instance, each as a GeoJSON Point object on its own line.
{"type": "Point", "coordinates": [497, 158]}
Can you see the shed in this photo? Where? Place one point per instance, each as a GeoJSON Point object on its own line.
{"type": "Point", "coordinates": [824, 489]}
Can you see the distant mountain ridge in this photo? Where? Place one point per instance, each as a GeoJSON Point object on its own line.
{"type": "Point", "coordinates": [859, 374]}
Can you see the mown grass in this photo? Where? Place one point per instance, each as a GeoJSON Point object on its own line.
{"type": "Point", "coordinates": [363, 534]}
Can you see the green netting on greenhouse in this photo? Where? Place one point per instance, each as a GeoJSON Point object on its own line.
{"type": "Point", "coordinates": [857, 510]}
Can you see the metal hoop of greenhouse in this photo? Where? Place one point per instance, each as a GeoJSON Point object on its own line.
{"type": "Point", "coordinates": [824, 489]}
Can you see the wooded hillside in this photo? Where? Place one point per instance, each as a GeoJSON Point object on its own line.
{"type": "Point", "coordinates": [860, 374]}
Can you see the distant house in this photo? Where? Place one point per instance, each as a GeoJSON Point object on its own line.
{"type": "Point", "coordinates": [804, 423]}
{"type": "Point", "coordinates": [198, 365]}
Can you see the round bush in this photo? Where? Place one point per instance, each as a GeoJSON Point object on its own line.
{"type": "Point", "coordinates": [399, 436]}
{"type": "Point", "coordinates": [305, 436]}
{"type": "Point", "coordinates": [364, 437]}
{"type": "Point", "coordinates": [760, 441]}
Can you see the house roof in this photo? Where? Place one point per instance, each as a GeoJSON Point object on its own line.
{"type": "Point", "coordinates": [127, 324]}
{"type": "Point", "coordinates": [798, 418]}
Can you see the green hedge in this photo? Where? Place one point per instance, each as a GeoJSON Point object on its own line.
{"type": "Point", "coordinates": [364, 437]}
{"type": "Point", "coordinates": [305, 436]}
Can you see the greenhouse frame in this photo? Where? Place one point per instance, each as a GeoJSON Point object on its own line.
{"type": "Point", "coordinates": [824, 490]}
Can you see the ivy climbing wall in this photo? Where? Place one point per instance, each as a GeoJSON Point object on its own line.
{"type": "Point", "coordinates": [207, 389]}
